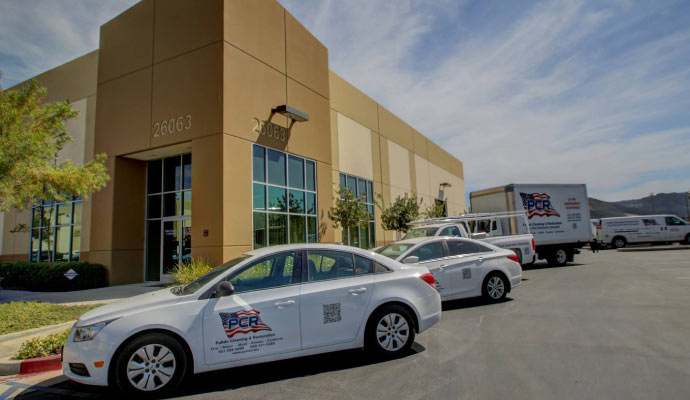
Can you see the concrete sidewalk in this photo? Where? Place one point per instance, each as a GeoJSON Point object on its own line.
{"type": "Point", "coordinates": [9, 343]}
{"type": "Point", "coordinates": [100, 295]}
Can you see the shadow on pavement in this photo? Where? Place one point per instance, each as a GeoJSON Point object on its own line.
{"type": "Point", "coordinates": [537, 266]}
{"type": "Point", "coordinates": [233, 378]}
{"type": "Point", "coordinates": [470, 303]}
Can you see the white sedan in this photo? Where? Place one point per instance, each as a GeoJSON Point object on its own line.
{"type": "Point", "coordinates": [461, 267]}
{"type": "Point", "coordinates": [270, 304]}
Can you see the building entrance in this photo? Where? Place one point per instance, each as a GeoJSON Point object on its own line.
{"type": "Point", "coordinates": [168, 215]}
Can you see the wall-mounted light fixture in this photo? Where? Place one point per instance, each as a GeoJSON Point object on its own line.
{"type": "Point", "coordinates": [441, 190]}
{"type": "Point", "coordinates": [294, 114]}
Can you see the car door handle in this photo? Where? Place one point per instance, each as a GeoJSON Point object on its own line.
{"type": "Point", "coordinates": [358, 291]}
{"type": "Point", "coordinates": [480, 259]}
{"type": "Point", "coordinates": [443, 266]}
{"type": "Point", "coordinates": [283, 304]}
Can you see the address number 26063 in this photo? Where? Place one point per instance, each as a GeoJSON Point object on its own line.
{"type": "Point", "coordinates": [172, 125]}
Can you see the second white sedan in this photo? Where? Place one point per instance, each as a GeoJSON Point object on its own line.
{"type": "Point", "coordinates": [270, 304]}
{"type": "Point", "coordinates": [461, 267]}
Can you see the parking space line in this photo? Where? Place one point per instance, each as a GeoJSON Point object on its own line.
{"type": "Point", "coordinates": [7, 393]}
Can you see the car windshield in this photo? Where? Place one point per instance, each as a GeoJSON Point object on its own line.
{"type": "Point", "coordinates": [208, 277]}
{"type": "Point", "coordinates": [394, 250]}
{"type": "Point", "coordinates": [421, 232]}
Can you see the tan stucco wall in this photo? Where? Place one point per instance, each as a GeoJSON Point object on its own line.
{"type": "Point", "coordinates": [402, 160]}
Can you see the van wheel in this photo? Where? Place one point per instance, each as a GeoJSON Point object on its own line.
{"type": "Point", "coordinates": [390, 331]}
{"type": "Point", "coordinates": [151, 365]}
{"type": "Point", "coordinates": [618, 242]}
{"type": "Point", "coordinates": [558, 258]}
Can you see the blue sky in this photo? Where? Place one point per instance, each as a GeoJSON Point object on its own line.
{"type": "Point", "coordinates": [543, 91]}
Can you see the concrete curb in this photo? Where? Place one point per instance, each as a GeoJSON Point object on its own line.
{"type": "Point", "coordinates": [32, 366]}
{"type": "Point", "coordinates": [35, 331]}
{"type": "Point", "coordinates": [655, 248]}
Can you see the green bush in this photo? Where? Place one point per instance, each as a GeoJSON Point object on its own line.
{"type": "Point", "coordinates": [42, 346]}
{"type": "Point", "coordinates": [189, 271]}
{"type": "Point", "coordinates": [43, 277]}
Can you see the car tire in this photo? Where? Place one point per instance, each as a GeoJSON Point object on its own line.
{"type": "Point", "coordinates": [495, 287]}
{"type": "Point", "coordinates": [618, 242]}
{"type": "Point", "coordinates": [157, 378]}
{"type": "Point", "coordinates": [558, 257]}
{"type": "Point", "coordinates": [687, 239]}
{"type": "Point", "coordinates": [390, 331]}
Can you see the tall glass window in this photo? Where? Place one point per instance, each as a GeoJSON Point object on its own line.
{"type": "Point", "coordinates": [168, 214]}
{"type": "Point", "coordinates": [364, 237]}
{"type": "Point", "coordinates": [283, 198]}
{"type": "Point", "coordinates": [56, 230]}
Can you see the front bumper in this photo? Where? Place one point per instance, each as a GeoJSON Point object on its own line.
{"type": "Point", "coordinates": [88, 354]}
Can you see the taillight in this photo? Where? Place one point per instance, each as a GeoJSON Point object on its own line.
{"type": "Point", "coordinates": [599, 225]}
{"type": "Point", "coordinates": [428, 278]}
{"type": "Point", "coordinates": [534, 245]}
{"type": "Point", "coordinates": [514, 257]}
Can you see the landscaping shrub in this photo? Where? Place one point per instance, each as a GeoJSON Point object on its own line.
{"type": "Point", "coordinates": [43, 277]}
{"type": "Point", "coordinates": [42, 346]}
{"type": "Point", "coordinates": [189, 271]}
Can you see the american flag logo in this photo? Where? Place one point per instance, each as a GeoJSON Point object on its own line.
{"type": "Point", "coordinates": [243, 321]}
{"type": "Point", "coordinates": [538, 204]}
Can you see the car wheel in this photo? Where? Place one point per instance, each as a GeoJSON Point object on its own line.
{"type": "Point", "coordinates": [495, 287]}
{"type": "Point", "coordinates": [151, 364]}
{"type": "Point", "coordinates": [687, 239]}
{"type": "Point", "coordinates": [390, 331]}
{"type": "Point", "coordinates": [558, 258]}
{"type": "Point", "coordinates": [618, 242]}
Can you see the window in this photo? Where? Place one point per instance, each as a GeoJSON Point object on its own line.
{"type": "Point", "coordinates": [364, 237]}
{"type": "Point", "coordinates": [283, 198]}
{"type": "Point", "coordinates": [394, 250]}
{"type": "Point", "coordinates": [269, 272]}
{"type": "Point", "coordinates": [421, 232]}
{"type": "Point", "coordinates": [329, 264]}
{"type": "Point", "coordinates": [430, 251]}
{"type": "Point", "coordinates": [363, 265]}
{"type": "Point", "coordinates": [451, 231]}
{"type": "Point", "coordinates": [56, 230]}
{"type": "Point", "coordinates": [459, 247]}
{"type": "Point", "coordinates": [673, 221]}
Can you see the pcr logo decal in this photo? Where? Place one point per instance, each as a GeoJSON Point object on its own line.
{"type": "Point", "coordinates": [243, 321]}
{"type": "Point", "coordinates": [538, 204]}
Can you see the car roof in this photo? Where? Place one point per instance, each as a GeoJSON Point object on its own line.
{"type": "Point", "coordinates": [301, 246]}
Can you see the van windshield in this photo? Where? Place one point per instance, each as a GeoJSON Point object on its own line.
{"type": "Point", "coordinates": [421, 232]}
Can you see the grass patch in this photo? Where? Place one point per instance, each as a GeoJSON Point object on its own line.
{"type": "Point", "coordinates": [43, 346]}
{"type": "Point", "coordinates": [22, 315]}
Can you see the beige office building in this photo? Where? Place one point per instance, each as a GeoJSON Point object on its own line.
{"type": "Point", "coordinates": [225, 131]}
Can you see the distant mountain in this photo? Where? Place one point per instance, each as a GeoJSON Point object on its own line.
{"type": "Point", "coordinates": [662, 203]}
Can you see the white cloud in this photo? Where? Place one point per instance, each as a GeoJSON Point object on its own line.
{"type": "Point", "coordinates": [542, 100]}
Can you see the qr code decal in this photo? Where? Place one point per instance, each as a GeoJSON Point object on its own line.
{"type": "Point", "coordinates": [331, 313]}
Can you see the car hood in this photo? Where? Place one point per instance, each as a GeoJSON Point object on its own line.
{"type": "Point", "coordinates": [129, 306]}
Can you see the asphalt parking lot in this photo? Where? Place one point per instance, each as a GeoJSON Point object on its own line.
{"type": "Point", "coordinates": [612, 325]}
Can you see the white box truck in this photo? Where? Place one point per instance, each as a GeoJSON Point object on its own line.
{"type": "Point", "coordinates": [557, 214]}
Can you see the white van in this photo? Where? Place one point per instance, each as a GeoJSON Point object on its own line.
{"type": "Point", "coordinates": [620, 231]}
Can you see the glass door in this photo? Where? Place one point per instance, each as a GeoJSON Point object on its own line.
{"type": "Point", "coordinates": [168, 215]}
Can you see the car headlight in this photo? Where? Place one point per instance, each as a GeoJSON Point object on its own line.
{"type": "Point", "coordinates": [88, 332]}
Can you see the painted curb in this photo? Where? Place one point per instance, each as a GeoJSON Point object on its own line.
{"type": "Point", "coordinates": [32, 366]}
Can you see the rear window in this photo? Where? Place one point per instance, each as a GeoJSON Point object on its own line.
{"type": "Point", "coordinates": [421, 232]}
{"type": "Point", "coordinates": [394, 250]}
{"type": "Point", "coordinates": [460, 247]}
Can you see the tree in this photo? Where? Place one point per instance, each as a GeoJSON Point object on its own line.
{"type": "Point", "coordinates": [400, 213]}
{"type": "Point", "coordinates": [437, 209]}
{"type": "Point", "coordinates": [31, 135]}
{"type": "Point", "coordinates": [349, 211]}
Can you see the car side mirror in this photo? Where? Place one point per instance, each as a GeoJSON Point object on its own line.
{"type": "Point", "coordinates": [224, 288]}
{"type": "Point", "coordinates": [410, 260]}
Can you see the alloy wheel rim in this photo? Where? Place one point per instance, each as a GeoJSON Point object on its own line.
{"type": "Point", "coordinates": [151, 367]}
{"type": "Point", "coordinates": [392, 332]}
{"type": "Point", "coordinates": [495, 287]}
{"type": "Point", "coordinates": [619, 243]}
